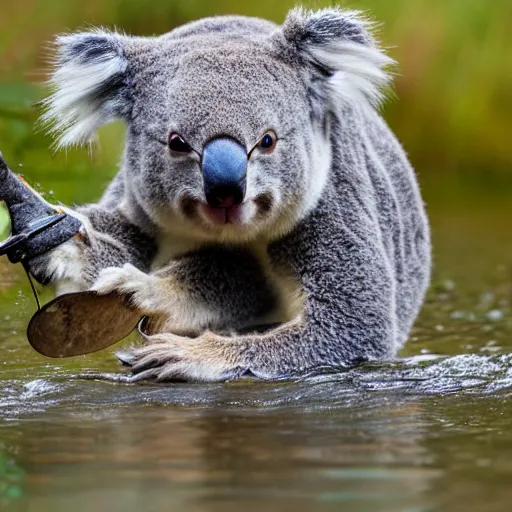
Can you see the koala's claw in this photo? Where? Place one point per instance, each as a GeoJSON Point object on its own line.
{"type": "Point", "coordinates": [125, 357]}
{"type": "Point", "coordinates": [170, 357]}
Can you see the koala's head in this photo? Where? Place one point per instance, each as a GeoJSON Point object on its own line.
{"type": "Point", "coordinates": [227, 118]}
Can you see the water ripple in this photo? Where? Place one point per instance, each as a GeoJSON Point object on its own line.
{"type": "Point", "coordinates": [365, 386]}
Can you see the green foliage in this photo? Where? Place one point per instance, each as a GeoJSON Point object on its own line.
{"type": "Point", "coordinates": [453, 82]}
{"type": "Point", "coordinates": [4, 222]}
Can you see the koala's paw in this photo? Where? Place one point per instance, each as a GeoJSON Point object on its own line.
{"type": "Point", "coordinates": [139, 287]}
{"type": "Point", "coordinates": [62, 263]}
{"type": "Point", "coordinates": [168, 357]}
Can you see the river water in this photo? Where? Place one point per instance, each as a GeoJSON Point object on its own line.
{"type": "Point", "coordinates": [430, 431]}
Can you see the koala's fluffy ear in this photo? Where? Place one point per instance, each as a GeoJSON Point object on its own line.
{"type": "Point", "coordinates": [340, 46]}
{"type": "Point", "coordinates": [90, 85]}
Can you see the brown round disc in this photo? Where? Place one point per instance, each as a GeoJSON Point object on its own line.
{"type": "Point", "coordinates": [80, 323]}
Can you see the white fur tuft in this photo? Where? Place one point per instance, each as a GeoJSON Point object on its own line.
{"type": "Point", "coordinates": [76, 108]}
{"type": "Point", "coordinates": [361, 74]}
{"type": "Point", "coordinates": [343, 43]}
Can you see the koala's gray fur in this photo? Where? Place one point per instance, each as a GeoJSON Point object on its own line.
{"type": "Point", "coordinates": [331, 242]}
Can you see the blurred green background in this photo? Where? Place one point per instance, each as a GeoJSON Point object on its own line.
{"type": "Point", "coordinates": [453, 110]}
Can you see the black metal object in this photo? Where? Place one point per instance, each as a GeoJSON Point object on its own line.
{"type": "Point", "coordinates": [37, 227]}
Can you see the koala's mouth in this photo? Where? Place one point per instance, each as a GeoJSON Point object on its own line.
{"type": "Point", "coordinates": [220, 216]}
{"type": "Point", "coordinates": [240, 215]}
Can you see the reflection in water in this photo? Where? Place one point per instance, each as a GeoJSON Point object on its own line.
{"type": "Point", "coordinates": [221, 446]}
{"type": "Point", "coordinates": [380, 436]}
{"type": "Point", "coordinates": [11, 477]}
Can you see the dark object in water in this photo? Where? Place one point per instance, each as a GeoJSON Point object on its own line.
{"type": "Point", "coordinates": [37, 227]}
{"type": "Point", "coordinates": [80, 323]}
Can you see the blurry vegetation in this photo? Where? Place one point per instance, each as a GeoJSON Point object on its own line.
{"type": "Point", "coordinates": [453, 110]}
{"type": "Point", "coordinates": [4, 222]}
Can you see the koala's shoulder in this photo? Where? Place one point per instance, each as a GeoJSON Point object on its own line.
{"type": "Point", "coordinates": [230, 25]}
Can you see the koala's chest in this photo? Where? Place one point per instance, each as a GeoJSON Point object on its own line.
{"type": "Point", "coordinates": [171, 247]}
{"type": "Point", "coordinates": [239, 284]}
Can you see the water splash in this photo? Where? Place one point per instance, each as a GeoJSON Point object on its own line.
{"type": "Point", "coordinates": [430, 375]}
{"type": "Point", "coordinates": [369, 384]}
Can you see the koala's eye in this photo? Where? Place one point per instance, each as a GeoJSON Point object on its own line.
{"type": "Point", "coordinates": [178, 145]}
{"type": "Point", "coordinates": [268, 142]}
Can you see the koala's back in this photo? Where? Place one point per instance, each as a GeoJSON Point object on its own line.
{"type": "Point", "coordinates": [383, 182]}
{"type": "Point", "coordinates": [402, 220]}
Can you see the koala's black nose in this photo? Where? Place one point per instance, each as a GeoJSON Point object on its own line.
{"type": "Point", "coordinates": [224, 166]}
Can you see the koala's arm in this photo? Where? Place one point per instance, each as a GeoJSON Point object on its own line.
{"type": "Point", "coordinates": [108, 239]}
{"type": "Point", "coordinates": [219, 288]}
{"type": "Point", "coordinates": [349, 316]}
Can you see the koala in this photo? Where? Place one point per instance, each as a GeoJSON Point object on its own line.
{"type": "Point", "coordinates": [264, 217]}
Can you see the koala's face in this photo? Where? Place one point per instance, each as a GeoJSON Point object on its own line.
{"type": "Point", "coordinates": [227, 118]}
{"type": "Point", "coordinates": [227, 149]}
